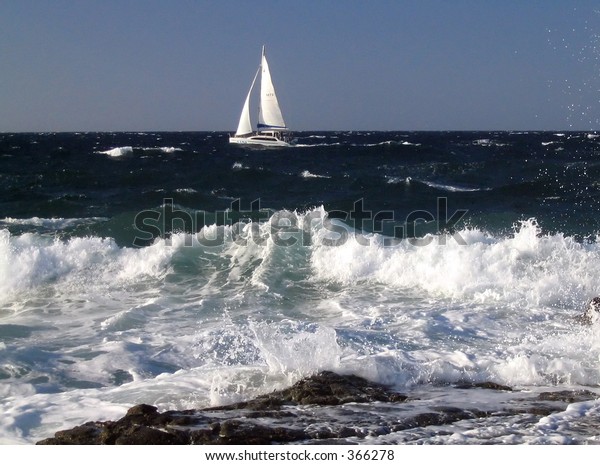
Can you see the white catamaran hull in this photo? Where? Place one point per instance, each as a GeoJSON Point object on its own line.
{"type": "Point", "coordinates": [250, 141]}
{"type": "Point", "coordinates": [259, 141]}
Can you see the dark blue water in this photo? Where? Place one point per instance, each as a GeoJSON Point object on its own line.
{"type": "Point", "coordinates": [498, 177]}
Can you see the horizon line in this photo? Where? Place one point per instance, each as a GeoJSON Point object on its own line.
{"type": "Point", "coordinates": [144, 131]}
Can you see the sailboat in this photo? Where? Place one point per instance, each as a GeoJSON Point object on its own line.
{"type": "Point", "coordinates": [271, 130]}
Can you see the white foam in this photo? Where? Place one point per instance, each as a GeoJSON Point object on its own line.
{"type": "Point", "coordinates": [398, 180]}
{"type": "Point", "coordinates": [170, 149]}
{"type": "Point", "coordinates": [163, 149]}
{"type": "Point", "coordinates": [239, 166]}
{"type": "Point", "coordinates": [528, 267]}
{"type": "Point", "coordinates": [324, 144]}
{"type": "Point", "coordinates": [308, 174]}
{"type": "Point", "coordinates": [51, 223]}
{"type": "Point", "coordinates": [488, 143]}
{"type": "Point", "coordinates": [557, 422]}
{"type": "Point", "coordinates": [186, 325]}
{"type": "Point", "coordinates": [29, 262]}
{"type": "Point", "coordinates": [451, 188]}
{"type": "Point", "coordinates": [117, 151]}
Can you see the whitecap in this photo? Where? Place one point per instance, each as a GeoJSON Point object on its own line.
{"type": "Point", "coordinates": [451, 188]}
{"type": "Point", "coordinates": [239, 166]}
{"type": "Point", "coordinates": [117, 151]}
{"type": "Point", "coordinates": [308, 174]}
{"type": "Point", "coordinates": [163, 149]}
{"type": "Point", "coordinates": [51, 223]}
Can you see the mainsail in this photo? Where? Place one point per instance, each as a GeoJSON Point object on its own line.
{"type": "Point", "coordinates": [269, 116]}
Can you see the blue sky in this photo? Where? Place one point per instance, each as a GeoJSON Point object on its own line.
{"type": "Point", "coordinates": [130, 65]}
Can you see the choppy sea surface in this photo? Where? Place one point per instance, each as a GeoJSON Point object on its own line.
{"type": "Point", "coordinates": [174, 269]}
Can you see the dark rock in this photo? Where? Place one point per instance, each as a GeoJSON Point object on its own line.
{"type": "Point", "coordinates": [420, 420]}
{"type": "Point", "coordinates": [240, 432]}
{"type": "Point", "coordinates": [423, 419]}
{"type": "Point", "coordinates": [568, 396]}
{"type": "Point", "coordinates": [445, 416]}
{"type": "Point", "coordinates": [332, 412]}
{"type": "Point", "coordinates": [86, 434]}
{"type": "Point", "coordinates": [325, 388]}
{"type": "Point", "coordinates": [346, 432]}
{"type": "Point", "coordinates": [203, 436]}
{"type": "Point", "coordinates": [267, 402]}
{"type": "Point", "coordinates": [143, 424]}
{"type": "Point", "coordinates": [328, 388]}
{"type": "Point", "coordinates": [142, 414]}
{"type": "Point", "coordinates": [269, 414]}
{"type": "Point", "coordinates": [143, 410]}
{"type": "Point", "coordinates": [484, 385]}
{"type": "Point", "coordinates": [591, 313]}
{"type": "Point", "coordinates": [179, 420]}
{"type": "Point", "coordinates": [494, 386]}
{"type": "Point", "coordinates": [144, 435]}
{"type": "Point", "coordinates": [541, 411]}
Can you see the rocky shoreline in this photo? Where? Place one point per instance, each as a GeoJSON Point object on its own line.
{"type": "Point", "coordinates": [325, 408]}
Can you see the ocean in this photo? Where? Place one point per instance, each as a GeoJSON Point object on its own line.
{"type": "Point", "coordinates": [176, 270]}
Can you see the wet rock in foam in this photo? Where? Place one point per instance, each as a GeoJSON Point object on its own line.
{"type": "Point", "coordinates": [326, 408]}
